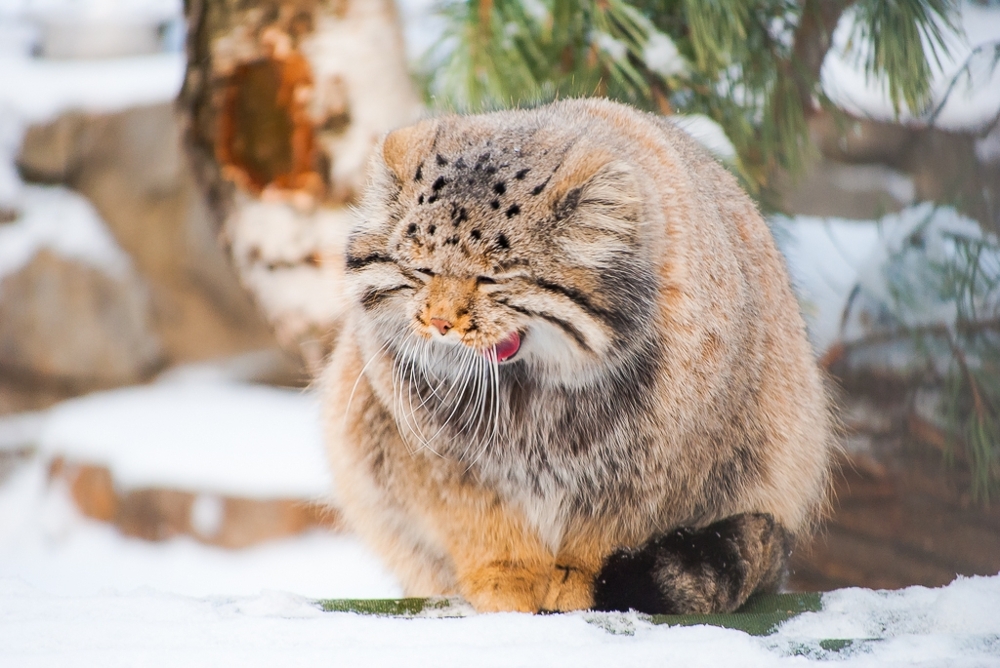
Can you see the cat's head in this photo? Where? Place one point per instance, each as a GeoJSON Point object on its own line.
{"type": "Point", "coordinates": [506, 235]}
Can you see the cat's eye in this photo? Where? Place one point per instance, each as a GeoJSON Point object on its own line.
{"type": "Point", "coordinates": [485, 280]}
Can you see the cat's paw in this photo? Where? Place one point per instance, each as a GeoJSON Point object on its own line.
{"type": "Point", "coordinates": [505, 587]}
{"type": "Point", "coordinates": [570, 588]}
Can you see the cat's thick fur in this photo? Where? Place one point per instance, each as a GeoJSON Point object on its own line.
{"type": "Point", "coordinates": [660, 434]}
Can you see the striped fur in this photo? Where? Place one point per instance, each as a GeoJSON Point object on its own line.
{"type": "Point", "coordinates": [663, 379]}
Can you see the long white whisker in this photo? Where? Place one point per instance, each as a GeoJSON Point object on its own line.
{"type": "Point", "coordinates": [357, 381]}
{"type": "Point", "coordinates": [425, 360]}
{"type": "Point", "coordinates": [404, 361]}
{"type": "Point", "coordinates": [494, 368]}
{"type": "Point", "coordinates": [458, 399]}
{"type": "Point", "coordinates": [410, 386]}
{"type": "Point", "coordinates": [479, 404]}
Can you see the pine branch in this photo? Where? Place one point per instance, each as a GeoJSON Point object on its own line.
{"type": "Point", "coordinates": [751, 66]}
{"type": "Point", "coordinates": [899, 40]}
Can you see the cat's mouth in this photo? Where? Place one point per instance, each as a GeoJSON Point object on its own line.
{"type": "Point", "coordinates": [505, 349]}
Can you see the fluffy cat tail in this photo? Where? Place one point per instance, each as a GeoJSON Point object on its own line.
{"type": "Point", "coordinates": [697, 571]}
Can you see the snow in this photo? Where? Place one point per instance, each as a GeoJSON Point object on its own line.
{"type": "Point", "coordinates": [126, 10]}
{"type": "Point", "coordinates": [537, 10]}
{"type": "Point", "coordinates": [46, 545]}
{"type": "Point", "coordinates": [62, 221]}
{"type": "Point", "coordinates": [89, 28]}
{"type": "Point", "coordinates": [17, 36]}
{"type": "Point", "coordinates": [825, 257]}
{"type": "Point", "coordinates": [971, 106]}
{"type": "Point", "coordinates": [706, 132]}
{"type": "Point", "coordinates": [38, 90]}
{"type": "Point", "coordinates": [73, 591]}
{"type": "Point", "coordinates": [197, 434]}
{"type": "Point", "coordinates": [988, 148]}
{"type": "Point", "coordinates": [615, 49]}
{"type": "Point", "coordinates": [949, 626]}
{"type": "Point", "coordinates": [11, 131]}
{"type": "Point", "coordinates": [423, 26]}
{"type": "Point", "coordinates": [831, 258]}
{"type": "Point", "coordinates": [279, 235]}
{"type": "Point", "coordinates": [661, 55]}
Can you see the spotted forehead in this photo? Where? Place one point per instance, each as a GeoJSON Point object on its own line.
{"type": "Point", "coordinates": [470, 204]}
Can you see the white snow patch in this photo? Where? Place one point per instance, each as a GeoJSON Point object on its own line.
{"type": "Point", "coordinates": [39, 90]}
{"type": "Point", "coordinates": [988, 148]}
{"type": "Point", "coordinates": [608, 44]}
{"type": "Point", "coordinates": [537, 10]}
{"type": "Point", "coordinates": [124, 10]}
{"type": "Point", "coordinates": [207, 514]}
{"type": "Point", "coordinates": [277, 234]}
{"type": "Point", "coordinates": [21, 431]}
{"type": "Point", "coordinates": [914, 243]}
{"type": "Point", "coordinates": [661, 55]}
{"type": "Point", "coordinates": [706, 132]}
{"type": "Point", "coordinates": [64, 222]}
{"type": "Point", "coordinates": [18, 37]}
{"type": "Point", "coordinates": [45, 543]}
{"type": "Point", "coordinates": [825, 256]}
{"type": "Point", "coordinates": [200, 435]}
{"type": "Point", "coordinates": [89, 28]}
{"type": "Point", "coordinates": [956, 625]}
{"type": "Point", "coordinates": [11, 132]}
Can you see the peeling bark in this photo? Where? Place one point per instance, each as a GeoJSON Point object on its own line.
{"type": "Point", "coordinates": [284, 101]}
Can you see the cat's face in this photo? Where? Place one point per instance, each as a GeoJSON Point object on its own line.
{"type": "Point", "coordinates": [514, 244]}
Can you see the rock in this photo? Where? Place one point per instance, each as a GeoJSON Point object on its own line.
{"type": "Point", "coordinates": [63, 322]}
{"type": "Point", "coordinates": [131, 167]}
{"type": "Point", "coordinates": [160, 514]}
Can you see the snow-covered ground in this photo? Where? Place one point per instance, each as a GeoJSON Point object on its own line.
{"type": "Point", "coordinates": [956, 626]}
{"type": "Point", "coordinates": [73, 591]}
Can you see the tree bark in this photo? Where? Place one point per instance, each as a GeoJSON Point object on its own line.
{"type": "Point", "coordinates": [813, 39]}
{"type": "Point", "coordinates": [284, 100]}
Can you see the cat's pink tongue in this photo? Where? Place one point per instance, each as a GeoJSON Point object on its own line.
{"type": "Point", "coordinates": [508, 347]}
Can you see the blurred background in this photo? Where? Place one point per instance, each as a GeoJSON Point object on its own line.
{"type": "Point", "coordinates": [172, 218]}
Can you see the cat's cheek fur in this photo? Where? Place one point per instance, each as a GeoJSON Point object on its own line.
{"type": "Point", "coordinates": [553, 355]}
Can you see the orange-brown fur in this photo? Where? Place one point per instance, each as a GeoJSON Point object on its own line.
{"type": "Point", "coordinates": [618, 420]}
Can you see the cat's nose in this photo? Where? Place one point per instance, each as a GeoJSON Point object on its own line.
{"type": "Point", "coordinates": [441, 325]}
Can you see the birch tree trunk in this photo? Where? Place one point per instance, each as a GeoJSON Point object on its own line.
{"type": "Point", "coordinates": [284, 100]}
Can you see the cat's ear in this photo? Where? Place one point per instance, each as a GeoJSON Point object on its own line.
{"type": "Point", "coordinates": [602, 189]}
{"type": "Point", "coordinates": [403, 150]}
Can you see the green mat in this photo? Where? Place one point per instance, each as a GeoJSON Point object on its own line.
{"type": "Point", "coordinates": [759, 616]}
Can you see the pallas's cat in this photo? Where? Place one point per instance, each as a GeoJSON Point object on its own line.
{"type": "Point", "coordinates": [574, 374]}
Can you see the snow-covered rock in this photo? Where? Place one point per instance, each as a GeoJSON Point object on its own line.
{"type": "Point", "coordinates": [197, 433]}
{"type": "Point", "coordinates": [72, 308]}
